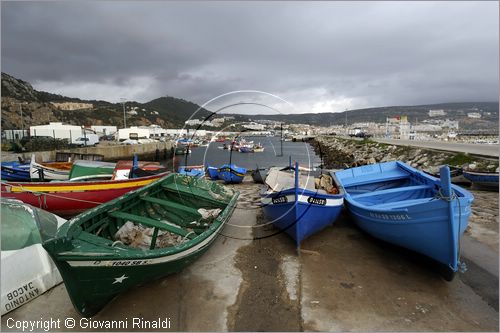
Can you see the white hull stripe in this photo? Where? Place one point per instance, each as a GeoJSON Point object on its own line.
{"type": "Point", "coordinates": [152, 261]}
{"type": "Point", "coordinates": [303, 199]}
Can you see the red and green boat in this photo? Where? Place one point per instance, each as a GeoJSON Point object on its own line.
{"type": "Point", "coordinates": [178, 218]}
{"type": "Point", "coordinates": [69, 198]}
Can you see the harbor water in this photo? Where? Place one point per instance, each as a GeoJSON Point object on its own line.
{"type": "Point", "coordinates": [276, 153]}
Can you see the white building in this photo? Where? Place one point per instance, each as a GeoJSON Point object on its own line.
{"type": "Point", "coordinates": [193, 122]}
{"type": "Point", "coordinates": [437, 113]}
{"type": "Point", "coordinates": [141, 132]}
{"type": "Point", "coordinates": [59, 131]}
{"type": "Point", "coordinates": [15, 134]}
{"type": "Point", "coordinates": [474, 115]}
{"type": "Point", "coordinates": [254, 126]}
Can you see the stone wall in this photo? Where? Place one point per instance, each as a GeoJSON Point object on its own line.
{"type": "Point", "coordinates": [338, 152]}
{"type": "Point", "coordinates": [110, 152]}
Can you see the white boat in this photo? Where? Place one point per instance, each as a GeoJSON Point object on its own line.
{"type": "Point", "coordinates": [50, 170]}
{"type": "Point", "coordinates": [27, 269]}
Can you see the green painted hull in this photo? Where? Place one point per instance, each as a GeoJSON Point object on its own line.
{"type": "Point", "coordinates": [91, 170]}
{"type": "Point", "coordinates": [95, 268]}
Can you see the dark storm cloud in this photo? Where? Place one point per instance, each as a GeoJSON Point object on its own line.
{"type": "Point", "coordinates": [322, 56]}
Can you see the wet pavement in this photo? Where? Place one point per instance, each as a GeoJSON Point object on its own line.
{"type": "Point", "coordinates": [340, 280]}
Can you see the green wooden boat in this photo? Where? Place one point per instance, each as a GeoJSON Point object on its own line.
{"type": "Point", "coordinates": [181, 216]}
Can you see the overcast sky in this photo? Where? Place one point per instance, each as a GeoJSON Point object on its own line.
{"type": "Point", "coordinates": [320, 57]}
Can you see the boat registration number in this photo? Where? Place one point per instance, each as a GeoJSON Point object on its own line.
{"type": "Point", "coordinates": [317, 201]}
{"type": "Point", "coordinates": [393, 217]}
{"type": "Point", "coordinates": [280, 200]}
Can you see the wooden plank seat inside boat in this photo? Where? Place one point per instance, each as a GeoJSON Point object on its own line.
{"type": "Point", "coordinates": [392, 191]}
{"type": "Point", "coordinates": [401, 204]}
{"type": "Point", "coordinates": [173, 205]}
{"type": "Point", "coordinates": [152, 223]}
{"type": "Point", "coordinates": [368, 178]}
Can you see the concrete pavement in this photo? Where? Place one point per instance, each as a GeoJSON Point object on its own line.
{"type": "Point", "coordinates": [341, 280]}
{"type": "Point", "coordinates": [477, 149]}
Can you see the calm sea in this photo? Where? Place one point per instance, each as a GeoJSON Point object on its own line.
{"type": "Point", "coordinates": [271, 156]}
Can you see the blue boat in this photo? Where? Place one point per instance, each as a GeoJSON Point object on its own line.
{"type": "Point", "coordinates": [193, 171]}
{"type": "Point", "coordinates": [483, 180]}
{"type": "Point", "coordinates": [213, 172]}
{"type": "Point", "coordinates": [16, 171]}
{"type": "Point", "coordinates": [293, 204]}
{"type": "Point", "coordinates": [407, 207]}
{"type": "Point", "coordinates": [231, 174]}
{"type": "Point", "coordinates": [245, 149]}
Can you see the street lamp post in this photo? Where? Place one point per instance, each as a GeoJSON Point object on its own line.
{"type": "Point", "coordinates": [124, 119]}
{"type": "Point", "coordinates": [22, 120]}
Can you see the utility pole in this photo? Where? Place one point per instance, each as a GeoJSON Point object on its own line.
{"type": "Point", "coordinates": [22, 119]}
{"type": "Point", "coordinates": [124, 119]}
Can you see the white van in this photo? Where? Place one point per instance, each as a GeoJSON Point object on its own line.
{"type": "Point", "coordinates": [87, 140]}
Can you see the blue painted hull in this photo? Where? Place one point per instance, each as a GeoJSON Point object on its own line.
{"type": "Point", "coordinates": [483, 179]}
{"type": "Point", "coordinates": [231, 174]}
{"type": "Point", "coordinates": [15, 171]}
{"type": "Point", "coordinates": [193, 172]}
{"type": "Point", "coordinates": [213, 173]}
{"type": "Point", "coordinates": [403, 206]}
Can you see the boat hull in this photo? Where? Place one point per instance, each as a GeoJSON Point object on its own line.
{"type": "Point", "coordinates": [259, 175]}
{"type": "Point", "coordinates": [15, 171]}
{"type": "Point", "coordinates": [213, 173]}
{"type": "Point", "coordinates": [93, 283]}
{"type": "Point", "coordinates": [421, 228]}
{"type": "Point", "coordinates": [68, 199]}
{"type": "Point", "coordinates": [407, 207]}
{"type": "Point", "coordinates": [40, 172]}
{"type": "Point", "coordinates": [96, 265]}
{"type": "Point", "coordinates": [483, 180]}
{"type": "Point", "coordinates": [303, 216]}
{"type": "Point", "coordinates": [231, 174]}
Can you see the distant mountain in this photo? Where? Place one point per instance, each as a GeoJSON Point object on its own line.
{"type": "Point", "coordinates": [171, 112]}
{"type": "Point", "coordinates": [379, 115]}
{"type": "Point", "coordinates": [38, 109]}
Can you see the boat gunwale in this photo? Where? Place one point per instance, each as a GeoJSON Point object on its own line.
{"type": "Point", "coordinates": [68, 183]}
{"type": "Point", "coordinates": [71, 229]}
{"type": "Point", "coordinates": [465, 195]}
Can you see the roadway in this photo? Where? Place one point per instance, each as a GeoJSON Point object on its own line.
{"type": "Point", "coordinates": [476, 149]}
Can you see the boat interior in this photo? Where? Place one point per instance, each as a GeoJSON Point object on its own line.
{"type": "Point", "coordinates": [167, 209]}
{"type": "Point", "coordinates": [391, 188]}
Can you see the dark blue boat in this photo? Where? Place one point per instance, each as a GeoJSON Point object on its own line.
{"type": "Point", "coordinates": [16, 171]}
{"type": "Point", "coordinates": [483, 180]}
{"type": "Point", "coordinates": [213, 172]}
{"type": "Point", "coordinates": [296, 207]}
{"type": "Point", "coordinates": [404, 206]}
{"type": "Point", "coordinates": [231, 174]}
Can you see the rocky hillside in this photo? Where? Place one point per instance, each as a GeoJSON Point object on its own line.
{"type": "Point", "coordinates": [37, 109]}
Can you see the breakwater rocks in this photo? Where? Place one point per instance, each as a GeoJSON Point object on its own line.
{"type": "Point", "coordinates": [338, 152]}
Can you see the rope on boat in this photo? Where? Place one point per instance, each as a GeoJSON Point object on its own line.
{"type": "Point", "coordinates": [44, 194]}
{"type": "Point", "coordinates": [189, 233]}
{"type": "Point", "coordinates": [462, 266]}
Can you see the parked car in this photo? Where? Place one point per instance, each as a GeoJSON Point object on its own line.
{"type": "Point", "coordinates": [87, 140]}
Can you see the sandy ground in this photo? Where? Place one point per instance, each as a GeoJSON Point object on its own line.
{"type": "Point", "coordinates": [253, 279]}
